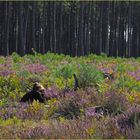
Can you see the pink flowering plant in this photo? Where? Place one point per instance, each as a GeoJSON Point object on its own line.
{"type": "Point", "coordinates": [101, 107]}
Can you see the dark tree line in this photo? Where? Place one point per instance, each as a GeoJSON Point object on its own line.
{"type": "Point", "coordinates": [75, 28]}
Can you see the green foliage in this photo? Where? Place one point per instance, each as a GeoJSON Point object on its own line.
{"type": "Point", "coordinates": [23, 73]}
{"type": "Point", "coordinates": [65, 114]}
{"type": "Point", "coordinates": [65, 71]}
{"type": "Point", "coordinates": [51, 108]}
{"type": "Point", "coordinates": [10, 121]}
{"type": "Point", "coordinates": [103, 55]}
{"type": "Point", "coordinates": [63, 75]}
{"type": "Point", "coordinates": [16, 58]}
{"type": "Point", "coordinates": [123, 67]}
{"type": "Point", "coordinates": [89, 76]}
{"type": "Point", "coordinates": [3, 102]}
{"type": "Point", "coordinates": [9, 84]}
{"type": "Point", "coordinates": [126, 82]}
{"type": "Point", "coordinates": [2, 59]}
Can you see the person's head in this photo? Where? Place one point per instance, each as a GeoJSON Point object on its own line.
{"type": "Point", "coordinates": [38, 87]}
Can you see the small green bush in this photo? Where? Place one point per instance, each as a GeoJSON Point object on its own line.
{"type": "Point", "coordinates": [126, 82]}
{"type": "Point", "coordinates": [65, 73]}
{"type": "Point", "coordinates": [89, 76]}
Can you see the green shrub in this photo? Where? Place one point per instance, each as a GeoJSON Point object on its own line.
{"type": "Point", "coordinates": [125, 82]}
{"type": "Point", "coordinates": [65, 73]}
{"type": "Point", "coordinates": [89, 76]}
{"type": "Point", "coordinates": [9, 84]}
{"type": "Point", "coordinates": [16, 58]}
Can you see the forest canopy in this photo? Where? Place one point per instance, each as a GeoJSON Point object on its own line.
{"type": "Point", "coordinates": [74, 28]}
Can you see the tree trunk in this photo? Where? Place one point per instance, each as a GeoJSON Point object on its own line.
{"type": "Point", "coordinates": [7, 24]}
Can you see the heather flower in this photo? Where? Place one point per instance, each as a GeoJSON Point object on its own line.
{"type": "Point", "coordinates": [135, 74]}
{"type": "Point", "coordinates": [83, 101]}
{"type": "Point", "coordinates": [71, 129]}
{"type": "Point", "coordinates": [130, 118]}
{"type": "Point", "coordinates": [115, 103]}
{"type": "Point", "coordinates": [51, 92]}
{"type": "Point", "coordinates": [106, 67]}
{"type": "Point", "coordinates": [35, 132]}
{"type": "Point", "coordinates": [68, 107]}
{"type": "Point", "coordinates": [90, 112]}
{"type": "Point", "coordinates": [33, 111]}
{"type": "Point", "coordinates": [96, 111]}
{"type": "Point", "coordinates": [22, 111]}
{"type": "Point", "coordinates": [6, 69]}
{"type": "Point", "coordinates": [36, 68]}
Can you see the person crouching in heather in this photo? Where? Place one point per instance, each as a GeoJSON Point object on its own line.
{"type": "Point", "coordinates": [37, 93]}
